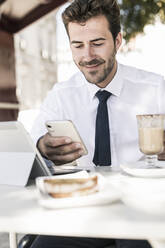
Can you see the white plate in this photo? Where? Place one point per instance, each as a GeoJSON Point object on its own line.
{"type": "Point", "coordinates": [138, 169]}
{"type": "Point", "coordinates": [106, 194]}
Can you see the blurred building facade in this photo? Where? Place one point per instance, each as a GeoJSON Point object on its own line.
{"type": "Point", "coordinates": [36, 62]}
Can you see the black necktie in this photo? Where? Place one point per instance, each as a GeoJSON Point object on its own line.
{"type": "Point", "coordinates": [102, 154]}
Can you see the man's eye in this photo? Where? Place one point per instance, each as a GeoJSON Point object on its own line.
{"type": "Point", "coordinates": [78, 46]}
{"type": "Point", "coordinates": [97, 44]}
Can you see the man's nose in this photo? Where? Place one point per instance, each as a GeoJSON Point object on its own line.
{"type": "Point", "coordinates": [89, 53]}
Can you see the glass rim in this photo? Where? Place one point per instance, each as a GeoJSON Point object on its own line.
{"type": "Point", "coordinates": [152, 115]}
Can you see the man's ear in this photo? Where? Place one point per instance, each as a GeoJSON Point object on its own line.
{"type": "Point", "coordinates": [118, 41]}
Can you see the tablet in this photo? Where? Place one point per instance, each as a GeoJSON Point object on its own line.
{"type": "Point", "coordinates": [19, 158]}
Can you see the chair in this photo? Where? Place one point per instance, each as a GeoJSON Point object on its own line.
{"type": "Point", "coordinates": [26, 241]}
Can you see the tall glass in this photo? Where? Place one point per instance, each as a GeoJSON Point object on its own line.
{"type": "Point", "coordinates": [151, 134]}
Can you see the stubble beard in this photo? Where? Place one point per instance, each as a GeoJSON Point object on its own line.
{"type": "Point", "coordinates": [97, 77]}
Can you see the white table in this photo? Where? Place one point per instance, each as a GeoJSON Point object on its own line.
{"type": "Point", "coordinates": [20, 213]}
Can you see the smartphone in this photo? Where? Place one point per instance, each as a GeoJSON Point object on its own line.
{"type": "Point", "coordinates": [65, 128]}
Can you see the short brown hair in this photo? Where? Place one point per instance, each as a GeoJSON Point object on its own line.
{"type": "Point", "coordinates": [82, 10]}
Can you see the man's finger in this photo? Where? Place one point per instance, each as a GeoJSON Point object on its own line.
{"type": "Point", "coordinates": [56, 141]}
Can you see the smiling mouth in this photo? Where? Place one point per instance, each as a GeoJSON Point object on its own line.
{"type": "Point", "coordinates": [91, 66]}
{"type": "Point", "coordinates": [94, 66]}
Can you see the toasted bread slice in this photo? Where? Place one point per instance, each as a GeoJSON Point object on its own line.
{"type": "Point", "coordinates": [69, 187]}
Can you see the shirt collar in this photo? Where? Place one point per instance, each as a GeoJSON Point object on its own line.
{"type": "Point", "coordinates": [114, 87]}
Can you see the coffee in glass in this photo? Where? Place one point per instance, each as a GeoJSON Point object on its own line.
{"type": "Point", "coordinates": [151, 135]}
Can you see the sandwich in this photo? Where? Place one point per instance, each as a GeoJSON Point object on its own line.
{"type": "Point", "coordinates": [71, 187]}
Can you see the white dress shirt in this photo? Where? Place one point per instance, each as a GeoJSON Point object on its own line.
{"type": "Point", "coordinates": [133, 91]}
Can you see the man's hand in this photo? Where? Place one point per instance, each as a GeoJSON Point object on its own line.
{"type": "Point", "coordinates": [60, 150]}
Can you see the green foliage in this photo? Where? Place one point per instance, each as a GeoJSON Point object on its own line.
{"type": "Point", "coordinates": [135, 14]}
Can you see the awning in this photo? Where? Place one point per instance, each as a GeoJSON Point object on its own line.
{"type": "Point", "coordinates": [17, 14]}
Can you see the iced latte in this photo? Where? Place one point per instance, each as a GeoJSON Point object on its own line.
{"type": "Point", "coordinates": [151, 136]}
{"type": "Point", "coordinates": [151, 140]}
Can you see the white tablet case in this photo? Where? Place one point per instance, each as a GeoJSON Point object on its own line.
{"type": "Point", "coordinates": [19, 158]}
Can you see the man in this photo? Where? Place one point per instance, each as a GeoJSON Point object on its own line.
{"type": "Point", "coordinates": [93, 28]}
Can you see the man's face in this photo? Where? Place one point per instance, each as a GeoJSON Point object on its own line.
{"type": "Point", "coordinates": [93, 49]}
